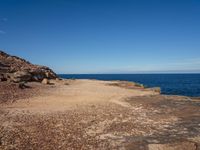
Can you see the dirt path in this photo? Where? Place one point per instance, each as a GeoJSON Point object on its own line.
{"type": "Point", "coordinates": [91, 114]}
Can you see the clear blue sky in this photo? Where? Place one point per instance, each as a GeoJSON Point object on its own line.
{"type": "Point", "coordinates": [104, 36]}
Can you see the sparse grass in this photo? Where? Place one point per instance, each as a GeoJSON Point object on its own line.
{"type": "Point", "coordinates": [127, 84]}
{"type": "Point", "coordinates": [139, 85]}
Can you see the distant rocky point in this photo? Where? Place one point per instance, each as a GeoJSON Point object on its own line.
{"type": "Point", "coordinates": [16, 69]}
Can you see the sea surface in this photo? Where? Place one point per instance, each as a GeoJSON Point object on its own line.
{"type": "Point", "coordinates": [171, 84]}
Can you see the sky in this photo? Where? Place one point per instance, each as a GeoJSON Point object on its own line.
{"type": "Point", "coordinates": [104, 36]}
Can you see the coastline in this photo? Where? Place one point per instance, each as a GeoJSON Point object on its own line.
{"type": "Point", "coordinates": [171, 84]}
{"type": "Point", "coordinates": [94, 114]}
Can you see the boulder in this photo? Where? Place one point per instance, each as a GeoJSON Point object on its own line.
{"type": "Point", "coordinates": [58, 79]}
{"type": "Point", "coordinates": [22, 85]}
{"type": "Point", "coordinates": [45, 81]}
{"type": "Point", "coordinates": [37, 77]}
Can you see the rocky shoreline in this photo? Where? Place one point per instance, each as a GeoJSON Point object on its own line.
{"type": "Point", "coordinates": [52, 113]}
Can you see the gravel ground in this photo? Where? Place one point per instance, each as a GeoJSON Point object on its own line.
{"type": "Point", "coordinates": [10, 92]}
{"type": "Point", "coordinates": [151, 122]}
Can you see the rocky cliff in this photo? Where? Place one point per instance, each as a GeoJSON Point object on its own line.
{"type": "Point", "coordinates": [16, 69]}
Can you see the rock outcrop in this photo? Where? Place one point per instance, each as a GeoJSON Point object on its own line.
{"type": "Point", "coordinates": [15, 69]}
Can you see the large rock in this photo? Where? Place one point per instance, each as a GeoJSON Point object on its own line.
{"type": "Point", "coordinates": [17, 69]}
{"type": "Point", "coordinates": [45, 81]}
{"type": "Point", "coordinates": [42, 72]}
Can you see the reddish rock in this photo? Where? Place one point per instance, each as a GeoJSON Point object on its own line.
{"type": "Point", "coordinates": [13, 68]}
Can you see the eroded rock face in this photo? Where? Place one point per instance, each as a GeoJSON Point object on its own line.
{"type": "Point", "coordinates": [20, 76]}
{"type": "Point", "coordinates": [16, 69]}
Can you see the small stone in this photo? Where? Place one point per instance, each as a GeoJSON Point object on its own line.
{"type": "Point", "coordinates": [22, 85]}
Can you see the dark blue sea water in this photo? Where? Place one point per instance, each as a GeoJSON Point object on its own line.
{"type": "Point", "coordinates": [172, 84]}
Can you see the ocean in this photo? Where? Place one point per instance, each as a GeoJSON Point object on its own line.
{"type": "Point", "coordinates": [170, 84]}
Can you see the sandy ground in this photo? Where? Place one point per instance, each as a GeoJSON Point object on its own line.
{"type": "Point", "coordinates": [91, 114]}
{"type": "Point", "coordinates": [78, 93]}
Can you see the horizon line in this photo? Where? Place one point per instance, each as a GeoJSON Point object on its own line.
{"type": "Point", "coordinates": [129, 73]}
